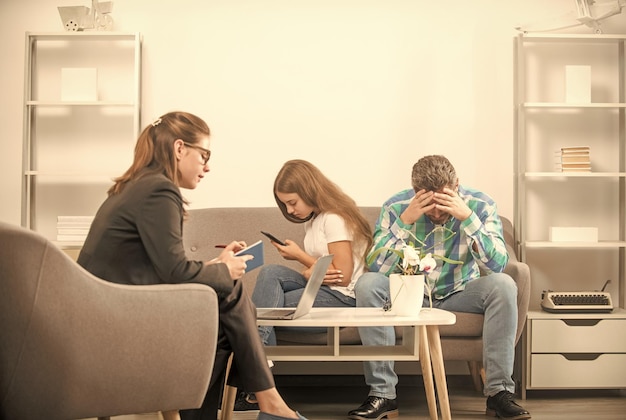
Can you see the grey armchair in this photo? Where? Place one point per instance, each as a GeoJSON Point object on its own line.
{"type": "Point", "coordinates": [74, 346]}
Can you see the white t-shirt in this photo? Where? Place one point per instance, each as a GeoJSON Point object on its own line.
{"type": "Point", "coordinates": [324, 229]}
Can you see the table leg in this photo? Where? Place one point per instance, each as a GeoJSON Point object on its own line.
{"type": "Point", "coordinates": [229, 395]}
{"type": "Point", "coordinates": [434, 341]}
{"type": "Point", "coordinates": [427, 372]}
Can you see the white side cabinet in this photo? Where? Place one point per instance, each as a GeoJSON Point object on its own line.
{"type": "Point", "coordinates": [576, 350]}
{"type": "Point", "coordinates": [82, 99]}
{"type": "Point", "coordinates": [571, 92]}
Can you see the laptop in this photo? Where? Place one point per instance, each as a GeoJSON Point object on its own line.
{"type": "Point", "coordinates": [308, 296]}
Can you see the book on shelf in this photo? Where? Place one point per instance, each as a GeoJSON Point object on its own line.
{"type": "Point", "coordinates": [73, 228]}
{"type": "Point", "coordinates": [574, 154]}
{"type": "Point", "coordinates": [573, 159]}
{"type": "Point", "coordinates": [580, 168]}
{"type": "Point", "coordinates": [575, 167]}
{"type": "Point", "coordinates": [572, 149]}
{"type": "Point", "coordinates": [75, 220]}
{"type": "Point", "coordinates": [72, 231]}
{"type": "Point", "coordinates": [71, 238]}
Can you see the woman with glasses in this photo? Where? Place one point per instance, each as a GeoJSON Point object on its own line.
{"type": "Point", "coordinates": [136, 238]}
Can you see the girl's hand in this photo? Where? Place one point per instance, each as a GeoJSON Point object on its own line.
{"type": "Point", "coordinates": [291, 251]}
{"type": "Point", "coordinates": [333, 276]}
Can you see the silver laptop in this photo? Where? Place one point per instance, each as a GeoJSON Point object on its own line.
{"type": "Point", "coordinates": [308, 296]}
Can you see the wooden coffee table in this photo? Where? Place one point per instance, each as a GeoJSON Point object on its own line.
{"type": "Point", "coordinates": [420, 342]}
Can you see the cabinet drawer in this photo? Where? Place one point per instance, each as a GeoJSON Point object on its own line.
{"type": "Point", "coordinates": [578, 336]}
{"type": "Point", "coordinates": [557, 371]}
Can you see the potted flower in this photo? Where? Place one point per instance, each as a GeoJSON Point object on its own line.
{"type": "Point", "coordinates": [407, 284]}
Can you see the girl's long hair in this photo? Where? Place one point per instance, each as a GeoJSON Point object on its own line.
{"type": "Point", "coordinates": [323, 195]}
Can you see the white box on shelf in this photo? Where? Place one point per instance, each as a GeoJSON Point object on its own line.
{"type": "Point", "coordinates": [578, 84]}
{"type": "Point", "coordinates": [573, 234]}
{"type": "Point", "coordinates": [79, 84]}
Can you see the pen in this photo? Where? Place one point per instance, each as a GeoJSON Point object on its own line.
{"type": "Point", "coordinates": [220, 246]}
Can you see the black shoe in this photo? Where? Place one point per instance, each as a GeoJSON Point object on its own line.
{"type": "Point", "coordinates": [375, 408]}
{"type": "Point", "coordinates": [245, 402]}
{"type": "Point", "coordinates": [503, 405]}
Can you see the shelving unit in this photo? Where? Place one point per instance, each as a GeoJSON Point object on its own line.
{"type": "Point", "coordinates": [572, 350]}
{"type": "Point", "coordinates": [73, 148]}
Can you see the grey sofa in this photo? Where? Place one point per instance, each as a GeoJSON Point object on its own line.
{"type": "Point", "coordinates": [74, 346]}
{"type": "Point", "coordinates": [460, 342]}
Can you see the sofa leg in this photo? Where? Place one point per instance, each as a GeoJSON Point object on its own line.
{"type": "Point", "coordinates": [478, 374]}
{"type": "Point", "coordinates": [170, 415]}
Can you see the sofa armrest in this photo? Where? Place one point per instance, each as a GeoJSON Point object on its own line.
{"type": "Point", "coordinates": [520, 272]}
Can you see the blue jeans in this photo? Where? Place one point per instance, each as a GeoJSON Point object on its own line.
{"type": "Point", "coordinates": [494, 295]}
{"type": "Point", "coordinates": [278, 286]}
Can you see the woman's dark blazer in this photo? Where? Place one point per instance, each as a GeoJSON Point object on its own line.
{"type": "Point", "coordinates": [136, 238]}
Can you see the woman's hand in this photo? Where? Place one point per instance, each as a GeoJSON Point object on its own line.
{"type": "Point", "coordinates": [234, 246]}
{"type": "Point", "coordinates": [236, 264]}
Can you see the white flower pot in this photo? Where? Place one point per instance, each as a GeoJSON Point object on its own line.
{"type": "Point", "coordinates": [406, 293]}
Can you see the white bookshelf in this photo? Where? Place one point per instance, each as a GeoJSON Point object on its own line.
{"type": "Point", "coordinates": [546, 198]}
{"type": "Point", "coordinates": [73, 148]}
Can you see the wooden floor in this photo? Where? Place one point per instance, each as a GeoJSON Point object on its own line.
{"type": "Point", "coordinates": [333, 402]}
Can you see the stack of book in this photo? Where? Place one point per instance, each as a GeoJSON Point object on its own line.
{"type": "Point", "coordinates": [73, 228]}
{"type": "Point", "coordinates": [573, 159]}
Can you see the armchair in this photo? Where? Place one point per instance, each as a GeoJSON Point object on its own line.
{"type": "Point", "coordinates": [74, 346]}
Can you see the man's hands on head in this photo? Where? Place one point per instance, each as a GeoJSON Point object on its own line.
{"type": "Point", "coordinates": [434, 205]}
{"type": "Point", "coordinates": [449, 201]}
{"type": "Point", "coordinates": [419, 205]}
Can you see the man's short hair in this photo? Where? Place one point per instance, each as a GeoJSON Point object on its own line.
{"type": "Point", "coordinates": [433, 173]}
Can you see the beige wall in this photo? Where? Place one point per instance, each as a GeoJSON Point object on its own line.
{"type": "Point", "coordinates": [361, 88]}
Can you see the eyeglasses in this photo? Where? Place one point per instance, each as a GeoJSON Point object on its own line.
{"type": "Point", "coordinates": [204, 153]}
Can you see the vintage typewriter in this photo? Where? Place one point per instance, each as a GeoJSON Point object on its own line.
{"type": "Point", "coordinates": [576, 302]}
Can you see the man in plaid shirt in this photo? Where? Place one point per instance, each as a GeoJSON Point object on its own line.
{"type": "Point", "coordinates": [460, 224]}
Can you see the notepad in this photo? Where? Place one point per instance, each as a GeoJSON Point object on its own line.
{"type": "Point", "coordinates": [256, 250]}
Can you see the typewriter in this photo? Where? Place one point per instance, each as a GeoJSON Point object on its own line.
{"type": "Point", "coordinates": [576, 302]}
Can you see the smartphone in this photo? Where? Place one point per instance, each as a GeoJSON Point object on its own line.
{"type": "Point", "coordinates": [274, 238]}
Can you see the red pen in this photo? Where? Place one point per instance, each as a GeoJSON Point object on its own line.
{"type": "Point", "coordinates": [220, 246]}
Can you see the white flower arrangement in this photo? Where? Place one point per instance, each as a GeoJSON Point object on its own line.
{"type": "Point", "coordinates": [413, 263]}
{"type": "Point", "coordinates": [415, 259]}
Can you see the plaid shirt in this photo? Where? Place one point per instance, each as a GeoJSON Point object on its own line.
{"type": "Point", "coordinates": [483, 228]}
